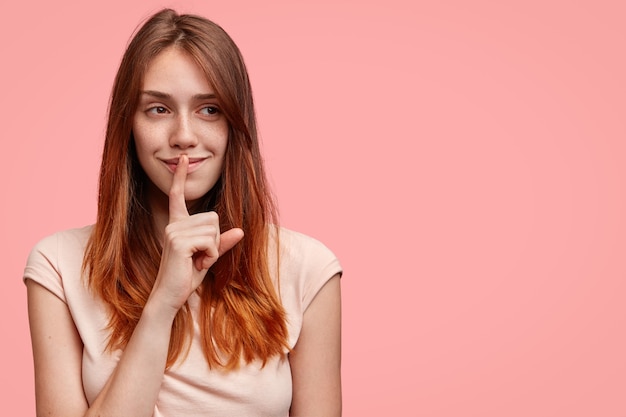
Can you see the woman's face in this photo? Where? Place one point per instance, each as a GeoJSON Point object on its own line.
{"type": "Point", "coordinates": [178, 113]}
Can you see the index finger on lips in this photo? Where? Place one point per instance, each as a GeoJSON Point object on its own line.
{"type": "Point", "coordinates": [178, 208]}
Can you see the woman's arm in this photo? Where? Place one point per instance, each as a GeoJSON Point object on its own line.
{"type": "Point", "coordinates": [57, 350]}
{"type": "Point", "coordinates": [316, 359]}
{"type": "Point", "coordinates": [57, 354]}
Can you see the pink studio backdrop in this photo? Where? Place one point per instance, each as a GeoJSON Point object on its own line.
{"type": "Point", "coordinates": [465, 160]}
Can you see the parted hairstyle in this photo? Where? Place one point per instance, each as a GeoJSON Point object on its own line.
{"type": "Point", "coordinates": [241, 317]}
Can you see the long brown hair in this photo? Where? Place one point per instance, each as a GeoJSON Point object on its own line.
{"type": "Point", "coordinates": [240, 317]}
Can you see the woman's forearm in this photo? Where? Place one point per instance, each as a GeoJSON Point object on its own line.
{"type": "Point", "coordinates": [133, 388]}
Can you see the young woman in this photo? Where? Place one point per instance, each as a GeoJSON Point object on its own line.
{"type": "Point", "coordinates": [185, 298]}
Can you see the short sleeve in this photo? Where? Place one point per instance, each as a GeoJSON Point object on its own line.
{"type": "Point", "coordinates": [42, 266]}
{"type": "Point", "coordinates": [322, 265]}
{"type": "Point", "coordinates": [307, 264]}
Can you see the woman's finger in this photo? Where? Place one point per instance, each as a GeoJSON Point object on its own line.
{"type": "Point", "coordinates": [178, 208]}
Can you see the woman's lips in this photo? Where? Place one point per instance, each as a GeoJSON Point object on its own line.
{"type": "Point", "coordinates": [194, 163]}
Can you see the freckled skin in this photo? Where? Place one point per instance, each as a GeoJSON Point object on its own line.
{"type": "Point", "coordinates": [178, 115]}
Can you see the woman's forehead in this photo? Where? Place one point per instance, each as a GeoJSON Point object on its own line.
{"type": "Point", "coordinates": [175, 72]}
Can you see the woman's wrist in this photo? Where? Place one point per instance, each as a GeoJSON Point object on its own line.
{"type": "Point", "coordinates": [159, 311]}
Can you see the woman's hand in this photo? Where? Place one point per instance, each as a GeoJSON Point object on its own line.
{"type": "Point", "coordinates": [191, 245]}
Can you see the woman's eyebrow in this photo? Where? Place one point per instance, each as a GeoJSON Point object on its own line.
{"type": "Point", "coordinates": [164, 96]}
{"type": "Point", "coordinates": [157, 94]}
{"type": "Point", "coordinates": [206, 96]}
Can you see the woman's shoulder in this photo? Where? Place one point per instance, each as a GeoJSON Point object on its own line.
{"type": "Point", "coordinates": [68, 239]}
{"type": "Point", "coordinates": [55, 262]}
{"type": "Point", "coordinates": [305, 266]}
{"type": "Point", "coordinates": [299, 251]}
{"type": "Point", "coordinates": [291, 239]}
{"type": "Point", "coordinates": [58, 249]}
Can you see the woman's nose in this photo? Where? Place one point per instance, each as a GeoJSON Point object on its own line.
{"type": "Point", "coordinates": [183, 135]}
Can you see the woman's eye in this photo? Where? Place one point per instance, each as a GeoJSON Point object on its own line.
{"type": "Point", "coordinates": [157, 110]}
{"type": "Point", "coordinates": [209, 110]}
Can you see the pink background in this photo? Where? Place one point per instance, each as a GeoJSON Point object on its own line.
{"type": "Point", "coordinates": [465, 160]}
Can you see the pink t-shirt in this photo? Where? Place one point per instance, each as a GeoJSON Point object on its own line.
{"type": "Point", "coordinates": [189, 388]}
